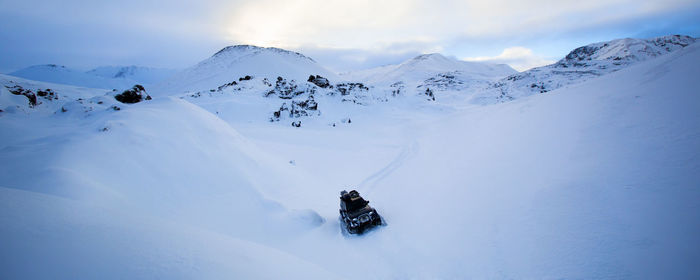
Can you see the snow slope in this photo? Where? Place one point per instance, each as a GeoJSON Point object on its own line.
{"type": "Point", "coordinates": [593, 180]}
{"type": "Point", "coordinates": [141, 185]}
{"type": "Point", "coordinates": [57, 98]}
{"type": "Point", "coordinates": [597, 180]}
{"type": "Point", "coordinates": [106, 77]}
{"type": "Point", "coordinates": [233, 62]}
{"type": "Point", "coordinates": [281, 78]}
{"type": "Point", "coordinates": [431, 71]}
{"type": "Point", "coordinates": [142, 75]}
{"type": "Point", "coordinates": [426, 66]}
{"type": "Point", "coordinates": [582, 64]}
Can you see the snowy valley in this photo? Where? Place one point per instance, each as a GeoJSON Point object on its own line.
{"type": "Point", "coordinates": [586, 168]}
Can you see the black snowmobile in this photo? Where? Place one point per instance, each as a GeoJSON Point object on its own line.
{"type": "Point", "coordinates": [356, 213]}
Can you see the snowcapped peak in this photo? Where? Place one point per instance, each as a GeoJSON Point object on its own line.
{"type": "Point", "coordinates": [431, 60]}
{"type": "Point", "coordinates": [628, 49]}
{"type": "Point", "coordinates": [429, 56]}
{"type": "Point", "coordinates": [239, 50]}
{"type": "Point", "coordinates": [233, 62]}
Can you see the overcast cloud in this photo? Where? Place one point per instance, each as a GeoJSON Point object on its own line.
{"type": "Point", "coordinates": [343, 35]}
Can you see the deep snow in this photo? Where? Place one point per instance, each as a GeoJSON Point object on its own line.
{"type": "Point", "coordinates": [105, 77]}
{"type": "Point", "coordinates": [593, 180]}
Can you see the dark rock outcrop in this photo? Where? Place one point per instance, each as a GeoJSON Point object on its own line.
{"type": "Point", "coordinates": [284, 89]}
{"type": "Point", "coordinates": [430, 94]}
{"type": "Point", "coordinates": [18, 90]}
{"type": "Point", "coordinates": [319, 81]}
{"type": "Point", "coordinates": [135, 94]}
{"type": "Point", "coordinates": [299, 108]}
{"type": "Point", "coordinates": [348, 88]}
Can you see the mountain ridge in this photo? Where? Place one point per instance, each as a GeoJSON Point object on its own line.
{"type": "Point", "coordinates": [105, 77]}
{"type": "Point", "coordinates": [582, 64]}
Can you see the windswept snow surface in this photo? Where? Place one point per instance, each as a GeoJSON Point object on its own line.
{"type": "Point", "coordinates": [594, 180]}
{"type": "Point", "coordinates": [157, 190]}
{"type": "Point", "coordinates": [106, 77]}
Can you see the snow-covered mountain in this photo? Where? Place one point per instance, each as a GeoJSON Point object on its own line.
{"type": "Point", "coordinates": [582, 64]}
{"type": "Point", "coordinates": [142, 75]}
{"type": "Point", "coordinates": [106, 77]}
{"type": "Point", "coordinates": [426, 66]}
{"type": "Point", "coordinates": [430, 73]}
{"type": "Point", "coordinates": [276, 83]}
{"type": "Point", "coordinates": [595, 180]}
{"type": "Point", "coordinates": [233, 62]}
{"type": "Point", "coordinates": [27, 97]}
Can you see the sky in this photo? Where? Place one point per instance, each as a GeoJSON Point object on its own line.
{"type": "Point", "coordinates": [341, 35]}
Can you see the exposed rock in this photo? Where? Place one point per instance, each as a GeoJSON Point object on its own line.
{"type": "Point", "coordinates": [430, 94]}
{"type": "Point", "coordinates": [18, 90]}
{"type": "Point", "coordinates": [222, 87]}
{"type": "Point", "coordinates": [445, 81]}
{"type": "Point", "coordinates": [276, 115]}
{"type": "Point", "coordinates": [349, 88]}
{"type": "Point", "coordinates": [284, 89]}
{"type": "Point", "coordinates": [299, 108]}
{"type": "Point", "coordinates": [266, 82]}
{"type": "Point", "coordinates": [319, 81]}
{"type": "Point", "coordinates": [47, 94]}
{"type": "Point", "coordinates": [396, 88]}
{"type": "Point", "coordinates": [134, 95]}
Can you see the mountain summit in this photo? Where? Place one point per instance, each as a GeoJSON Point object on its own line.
{"type": "Point", "coordinates": [627, 50]}
{"type": "Point", "coordinates": [233, 62]}
{"type": "Point", "coordinates": [239, 50]}
{"type": "Point", "coordinates": [427, 66]}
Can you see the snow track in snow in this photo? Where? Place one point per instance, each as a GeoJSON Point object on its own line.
{"type": "Point", "coordinates": [368, 184]}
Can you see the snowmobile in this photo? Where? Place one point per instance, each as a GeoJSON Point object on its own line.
{"type": "Point", "coordinates": [356, 213]}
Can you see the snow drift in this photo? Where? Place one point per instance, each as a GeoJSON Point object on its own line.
{"type": "Point", "coordinates": [155, 172]}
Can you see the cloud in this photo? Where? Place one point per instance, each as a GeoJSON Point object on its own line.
{"type": "Point", "coordinates": [372, 24]}
{"type": "Point", "coordinates": [519, 58]}
{"type": "Point", "coordinates": [181, 32]}
{"type": "Point", "coordinates": [343, 60]}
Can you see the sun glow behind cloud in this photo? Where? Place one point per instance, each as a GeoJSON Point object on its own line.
{"type": "Point", "coordinates": [519, 58]}
{"type": "Point", "coordinates": [291, 24]}
{"type": "Point", "coordinates": [373, 24]}
{"type": "Point", "coordinates": [413, 26]}
{"type": "Point", "coordinates": [346, 34]}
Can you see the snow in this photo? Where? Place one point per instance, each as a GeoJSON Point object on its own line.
{"type": "Point", "coordinates": [137, 74]}
{"type": "Point", "coordinates": [233, 62]}
{"type": "Point", "coordinates": [428, 65]}
{"type": "Point", "coordinates": [415, 75]}
{"type": "Point", "coordinates": [596, 179]}
{"type": "Point", "coordinates": [579, 65]}
{"type": "Point", "coordinates": [105, 77]}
